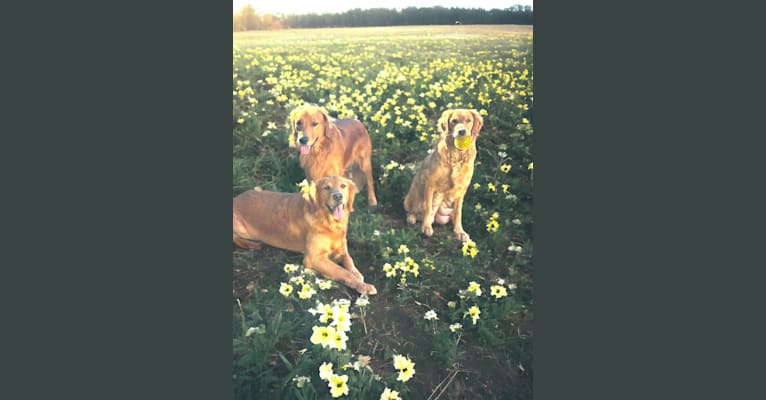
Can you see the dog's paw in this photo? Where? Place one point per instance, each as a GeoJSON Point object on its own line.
{"type": "Point", "coordinates": [411, 219]}
{"type": "Point", "coordinates": [462, 236]}
{"type": "Point", "coordinates": [372, 202]}
{"type": "Point", "coordinates": [367, 289]}
{"type": "Point", "coordinates": [428, 230]}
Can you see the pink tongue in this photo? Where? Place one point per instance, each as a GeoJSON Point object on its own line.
{"type": "Point", "coordinates": [337, 213]}
{"type": "Point", "coordinates": [304, 149]}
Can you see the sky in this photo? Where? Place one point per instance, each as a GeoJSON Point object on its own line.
{"type": "Point", "coordinates": [334, 6]}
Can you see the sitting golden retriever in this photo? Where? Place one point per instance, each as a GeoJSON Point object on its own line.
{"type": "Point", "coordinates": [314, 224]}
{"type": "Point", "coordinates": [332, 147]}
{"type": "Point", "coordinates": [438, 188]}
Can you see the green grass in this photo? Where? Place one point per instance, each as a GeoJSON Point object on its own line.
{"type": "Point", "coordinates": [397, 81]}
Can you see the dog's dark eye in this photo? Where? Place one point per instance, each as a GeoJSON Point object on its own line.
{"type": "Point", "coordinates": [342, 185]}
{"type": "Point", "coordinates": [454, 121]}
{"type": "Point", "coordinates": [314, 123]}
{"type": "Point", "coordinates": [299, 123]}
{"type": "Point", "coordinates": [468, 121]}
{"type": "Point", "coordinates": [326, 188]}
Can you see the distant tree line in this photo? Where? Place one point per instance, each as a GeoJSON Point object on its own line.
{"type": "Point", "coordinates": [248, 19]}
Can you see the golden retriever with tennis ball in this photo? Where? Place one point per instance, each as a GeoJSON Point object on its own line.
{"type": "Point", "coordinates": [439, 186]}
{"type": "Point", "coordinates": [313, 223]}
{"type": "Point", "coordinates": [331, 146]}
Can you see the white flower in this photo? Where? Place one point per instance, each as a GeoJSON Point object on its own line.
{"type": "Point", "coordinates": [362, 301]}
{"type": "Point", "coordinates": [300, 381]}
{"type": "Point", "coordinates": [250, 331]}
{"type": "Point", "coordinates": [431, 315]}
{"type": "Point", "coordinates": [455, 326]}
{"type": "Point", "coordinates": [516, 221]}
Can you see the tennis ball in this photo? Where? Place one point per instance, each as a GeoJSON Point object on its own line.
{"type": "Point", "coordinates": [462, 142]}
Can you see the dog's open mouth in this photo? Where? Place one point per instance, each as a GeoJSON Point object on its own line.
{"type": "Point", "coordinates": [337, 211]}
{"type": "Point", "coordinates": [306, 148]}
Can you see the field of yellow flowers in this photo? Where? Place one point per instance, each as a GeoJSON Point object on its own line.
{"type": "Point", "coordinates": [450, 320]}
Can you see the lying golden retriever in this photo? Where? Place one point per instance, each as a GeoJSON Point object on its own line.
{"type": "Point", "coordinates": [314, 224]}
{"type": "Point", "coordinates": [332, 147]}
{"type": "Point", "coordinates": [439, 186]}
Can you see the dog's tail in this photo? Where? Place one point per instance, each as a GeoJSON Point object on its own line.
{"type": "Point", "coordinates": [357, 175]}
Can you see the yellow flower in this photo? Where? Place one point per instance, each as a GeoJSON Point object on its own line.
{"type": "Point", "coordinates": [324, 284]}
{"type": "Point", "coordinates": [326, 312]}
{"type": "Point", "coordinates": [506, 187]}
{"type": "Point", "coordinates": [341, 319]}
{"type": "Point", "coordinates": [492, 225]}
{"type": "Point", "coordinates": [491, 187]}
{"type": "Point", "coordinates": [290, 268]}
{"type": "Point", "coordinates": [339, 340]}
{"type": "Point", "coordinates": [399, 361]}
{"type": "Point", "coordinates": [524, 121]}
{"type": "Point", "coordinates": [389, 394]}
{"type": "Point", "coordinates": [483, 112]}
{"type": "Point", "coordinates": [325, 371]}
{"type": "Point", "coordinates": [323, 335]}
{"type": "Point", "coordinates": [530, 166]}
{"type": "Point", "coordinates": [389, 135]}
{"type": "Point", "coordinates": [403, 249]}
{"type": "Point", "coordinates": [505, 168]}
{"type": "Point", "coordinates": [337, 384]}
{"type": "Point", "coordinates": [476, 185]}
{"type": "Point", "coordinates": [306, 292]}
{"type": "Point", "coordinates": [389, 270]}
{"type": "Point", "coordinates": [240, 120]}
{"type": "Point", "coordinates": [285, 289]}
{"type": "Point", "coordinates": [469, 249]}
{"type": "Point", "coordinates": [405, 366]}
{"type": "Point", "coordinates": [305, 188]}
{"type": "Point", "coordinates": [474, 313]}
{"type": "Point", "coordinates": [474, 287]}
{"type": "Point", "coordinates": [498, 291]}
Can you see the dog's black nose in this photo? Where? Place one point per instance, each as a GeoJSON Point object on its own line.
{"type": "Point", "coordinates": [461, 132]}
{"type": "Point", "coordinates": [303, 140]}
{"type": "Point", "coordinates": [337, 196]}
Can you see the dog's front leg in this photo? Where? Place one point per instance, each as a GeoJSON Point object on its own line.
{"type": "Point", "coordinates": [428, 212]}
{"type": "Point", "coordinates": [348, 262]}
{"type": "Point", "coordinates": [330, 270]}
{"type": "Point", "coordinates": [460, 234]}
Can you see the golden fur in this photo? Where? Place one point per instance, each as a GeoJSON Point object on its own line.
{"type": "Point", "coordinates": [332, 147]}
{"type": "Point", "coordinates": [314, 224]}
{"type": "Point", "coordinates": [439, 186]}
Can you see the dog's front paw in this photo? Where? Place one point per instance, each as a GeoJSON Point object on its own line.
{"type": "Point", "coordinates": [428, 230]}
{"type": "Point", "coordinates": [411, 219]}
{"type": "Point", "coordinates": [367, 289]}
{"type": "Point", "coordinates": [462, 236]}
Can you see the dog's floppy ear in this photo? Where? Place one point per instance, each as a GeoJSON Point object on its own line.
{"type": "Point", "coordinates": [327, 121]}
{"type": "Point", "coordinates": [478, 122]}
{"type": "Point", "coordinates": [351, 193]}
{"type": "Point", "coordinates": [291, 137]}
{"type": "Point", "coordinates": [312, 196]}
{"type": "Point", "coordinates": [443, 123]}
